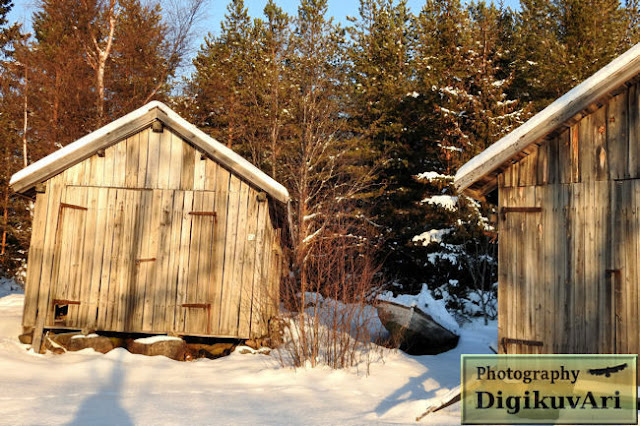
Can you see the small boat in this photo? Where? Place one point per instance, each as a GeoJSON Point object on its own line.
{"type": "Point", "coordinates": [417, 332]}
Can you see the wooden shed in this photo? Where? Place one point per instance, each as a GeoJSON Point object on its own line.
{"type": "Point", "coordinates": [568, 185]}
{"type": "Point", "coordinates": [148, 225]}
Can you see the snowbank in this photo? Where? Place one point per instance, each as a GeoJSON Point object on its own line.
{"type": "Point", "coordinates": [427, 304]}
{"type": "Point", "coordinates": [9, 286]}
{"type": "Point", "coordinates": [155, 339]}
{"type": "Point", "coordinates": [87, 387]}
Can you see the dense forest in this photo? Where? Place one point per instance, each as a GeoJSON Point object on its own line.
{"type": "Point", "coordinates": [365, 123]}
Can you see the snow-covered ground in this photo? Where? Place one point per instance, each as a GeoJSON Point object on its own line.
{"type": "Point", "coordinates": [87, 387]}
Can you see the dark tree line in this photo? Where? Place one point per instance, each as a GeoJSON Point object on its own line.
{"type": "Point", "coordinates": [365, 124]}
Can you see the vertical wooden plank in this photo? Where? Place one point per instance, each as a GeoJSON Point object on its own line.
{"type": "Point", "coordinates": [199, 172]}
{"type": "Point", "coordinates": [548, 267]}
{"type": "Point", "coordinates": [108, 166]}
{"type": "Point", "coordinates": [566, 289]}
{"type": "Point", "coordinates": [590, 337]}
{"type": "Point", "coordinates": [105, 281]}
{"type": "Point", "coordinates": [132, 167]}
{"type": "Point", "coordinates": [574, 147]}
{"type": "Point", "coordinates": [246, 291]}
{"type": "Point", "coordinates": [127, 267]}
{"type": "Point", "coordinates": [600, 148]}
{"type": "Point", "coordinates": [205, 289]}
{"type": "Point", "coordinates": [174, 258]}
{"type": "Point", "coordinates": [175, 164]}
{"type": "Point", "coordinates": [120, 164]}
{"type": "Point", "coordinates": [194, 316]}
{"type": "Point", "coordinates": [188, 164]}
{"type": "Point", "coordinates": [630, 266]}
{"type": "Point", "coordinates": [634, 131]}
{"type": "Point", "coordinates": [210, 173]}
{"type": "Point", "coordinates": [258, 325]}
{"type": "Point", "coordinates": [586, 141]}
{"type": "Point", "coordinates": [538, 290]}
{"type": "Point", "coordinates": [617, 136]}
{"type": "Point", "coordinates": [504, 269]}
{"type": "Point", "coordinates": [164, 159]}
{"type": "Point", "coordinates": [90, 253]}
{"type": "Point", "coordinates": [632, 289]}
{"type": "Point", "coordinates": [507, 177]}
{"type": "Point", "coordinates": [268, 296]}
{"type": "Point", "coordinates": [161, 280]}
{"type": "Point", "coordinates": [532, 162]}
{"type": "Point", "coordinates": [115, 263]}
{"type": "Point", "coordinates": [183, 266]}
{"type": "Point", "coordinates": [220, 237]}
{"type": "Point", "coordinates": [34, 260]}
{"type": "Point", "coordinates": [153, 161]}
{"type": "Point", "coordinates": [54, 193]}
{"type": "Point", "coordinates": [143, 157]}
{"type": "Point", "coordinates": [228, 317]}
{"type": "Point", "coordinates": [140, 251]}
{"type": "Point", "coordinates": [241, 240]}
{"type": "Point", "coordinates": [153, 266]}
{"type": "Point", "coordinates": [516, 314]}
{"type": "Point", "coordinates": [542, 168]}
{"type": "Point", "coordinates": [97, 257]}
{"type": "Point", "coordinates": [62, 254]}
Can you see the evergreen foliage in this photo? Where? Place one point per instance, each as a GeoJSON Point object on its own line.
{"type": "Point", "coordinates": [365, 125]}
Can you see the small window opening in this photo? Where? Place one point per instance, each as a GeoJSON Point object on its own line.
{"type": "Point", "coordinates": [60, 312]}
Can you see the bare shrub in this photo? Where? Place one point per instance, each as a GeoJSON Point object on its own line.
{"type": "Point", "coordinates": [332, 320]}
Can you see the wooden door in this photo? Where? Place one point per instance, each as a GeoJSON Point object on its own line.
{"type": "Point", "coordinates": [135, 260]}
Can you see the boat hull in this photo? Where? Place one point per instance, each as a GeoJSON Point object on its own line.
{"type": "Point", "coordinates": [416, 331]}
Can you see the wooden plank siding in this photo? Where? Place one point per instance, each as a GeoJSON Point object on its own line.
{"type": "Point", "coordinates": [153, 236]}
{"type": "Point", "coordinates": [568, 270]}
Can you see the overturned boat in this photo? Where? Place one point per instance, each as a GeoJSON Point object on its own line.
{"type": "Point", "coordinates": [416, 331]}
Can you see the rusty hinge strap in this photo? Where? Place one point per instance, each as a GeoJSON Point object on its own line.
{"type": "Point", "coordinates": [139, 261]}
{"type": "Point", "coordinates": [71, 206]}
{"type": "Point", "coordinates": [507, 340]}
{"type": "Point", "coordinates": [65, 302]}
{"type": "Point", "coordinates": [613, 271]}
{"type": "Point", "coordinates": [203, 213]}
{"type": "Point", "coordinates": [196, 305]}
{"type": "Point", "coordinates": [505, 210]}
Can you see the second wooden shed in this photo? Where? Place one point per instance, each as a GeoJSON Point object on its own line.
{"type": "Point", "coordinates": [148, 225]}
{"type": "Point", "coordinates": [568, 184]}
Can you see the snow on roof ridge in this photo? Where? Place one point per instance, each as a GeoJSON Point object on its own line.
{"type": "Point", "coordinates": [623, 68]}
{"type": "Point", "coordinates": [240, 164]}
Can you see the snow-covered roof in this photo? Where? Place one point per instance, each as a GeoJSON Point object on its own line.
{"type": "Point", "coordinates": [131, 123]}
{"type": "Point", "coordinates": [478, 175]}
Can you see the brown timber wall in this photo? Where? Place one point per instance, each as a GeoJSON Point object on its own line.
{"type": "Point", "coordinates": [569, 227]}
{"type": "Point", "coordinates": [152, 236]}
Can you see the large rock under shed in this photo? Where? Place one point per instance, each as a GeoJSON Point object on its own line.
{"type": "Point", "coordinates": [78, 342]}
{"type": "Point", "coordinates": [171, 347]}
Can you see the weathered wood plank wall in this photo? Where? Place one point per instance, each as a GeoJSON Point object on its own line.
{"type": "Point", "coordinates": [568, 262]}
{"type": "Point", "coordinates": [152, 236]}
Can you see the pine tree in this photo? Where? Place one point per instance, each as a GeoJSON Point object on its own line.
{"type": "Point", "coordinates": [222, 77]}
{"type": "Point", "coordinates": [14, 210]}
